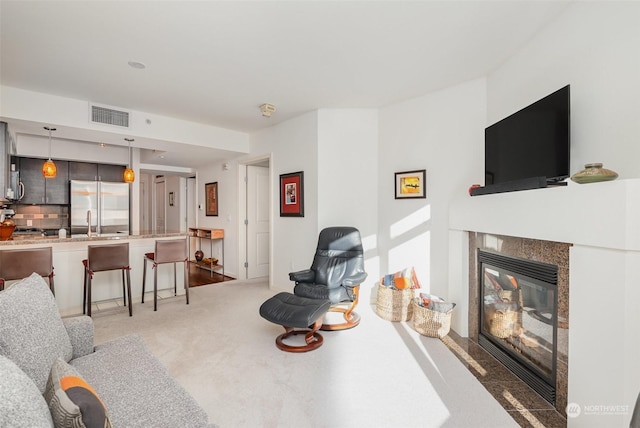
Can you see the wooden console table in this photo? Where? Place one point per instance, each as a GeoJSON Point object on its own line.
{"type": "Point", "coordinates": [211, 235]}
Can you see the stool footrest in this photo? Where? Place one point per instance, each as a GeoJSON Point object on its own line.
{"type": "Point", "coordinates": [294, 312]}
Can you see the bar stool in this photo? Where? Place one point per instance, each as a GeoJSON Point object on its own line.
{"type": "Point", "coordinates": [103, 258]}
{"type": "Point", "coordinates": [18, 264]}
{"type": "Point", "coordinates": [168, 251]}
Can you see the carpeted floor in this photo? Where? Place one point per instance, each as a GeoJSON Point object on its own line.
{"type": "Point", "coordinates": [379, 374]}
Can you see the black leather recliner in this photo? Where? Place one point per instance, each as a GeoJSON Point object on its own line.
{"type": "Point", "coordinates": [335, 275]}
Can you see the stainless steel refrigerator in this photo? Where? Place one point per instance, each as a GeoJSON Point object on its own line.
{"type": "Point", "coordinates": [103, 204]}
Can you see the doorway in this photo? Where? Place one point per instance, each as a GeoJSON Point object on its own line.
{"type": "Point", "coordinates": [191, 203]}
{"type": "Point", "coordinates": [159, 222]}
{"type": "Point", "coordinates": [255, 222]}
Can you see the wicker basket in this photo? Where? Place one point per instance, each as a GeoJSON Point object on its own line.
{"type": "Point", "coordinates": [430, 323]}
{"type": "Point", "coordinates": [394, 305]}
{"type": "Point", "coordinates": [503, 324]}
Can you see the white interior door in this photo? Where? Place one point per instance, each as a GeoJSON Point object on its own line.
{"type": "Point", "coordinates": [160, 206]}
{"type": "Point", "coordinates": [258, 210]}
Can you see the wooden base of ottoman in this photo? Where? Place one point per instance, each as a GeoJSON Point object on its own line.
{"type": "Point", "coordinates": [312, 338]}
{"type": "Point", "coordinates": [298, 315]}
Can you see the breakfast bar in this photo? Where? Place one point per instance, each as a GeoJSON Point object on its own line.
{"type": "Point", "coordinates": [69, 252]}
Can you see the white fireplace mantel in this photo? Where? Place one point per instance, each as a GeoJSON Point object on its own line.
{"type": "Point", "coordinates": [602, 222]}
{"type": "Point", "coordinates": [605, 214]}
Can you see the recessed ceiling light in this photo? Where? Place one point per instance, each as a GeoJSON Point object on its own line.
{"type": "Point", "coordinates": [137, 65]}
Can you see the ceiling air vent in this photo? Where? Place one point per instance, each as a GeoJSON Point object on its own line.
{"type": "Point", "coordinates": [109, 116]}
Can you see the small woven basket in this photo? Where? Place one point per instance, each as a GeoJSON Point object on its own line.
{"type": "Point", "coordinates": [430, 323]}
{"type": "Point", "coordinates": [394, 305]}
{"type": "Point", "coordinates": [514, 296]}
{"type": "Point", "coordinates": [503, 324]}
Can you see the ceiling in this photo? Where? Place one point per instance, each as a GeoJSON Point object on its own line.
{"type": "Point", "coordinates": [216, 62]}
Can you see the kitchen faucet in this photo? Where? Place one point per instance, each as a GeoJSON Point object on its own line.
{"type": "Point", "coordinates": [89, 223]}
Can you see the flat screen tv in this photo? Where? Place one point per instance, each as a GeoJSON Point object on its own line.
{"type": "Point", "coordinates": [533, 142]}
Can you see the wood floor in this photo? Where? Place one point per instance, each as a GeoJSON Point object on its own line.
{"type": "Point", "coordinates": [199, 276]}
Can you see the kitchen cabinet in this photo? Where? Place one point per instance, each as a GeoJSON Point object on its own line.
{"type": "Point", "coordinates": [96, 172]}
{"type": "Point", "coordinates": [83, 171]}
{"type": "Point", "coordinates": [40, 190]}
{"type": "Point", "coordinates": [114, 173]}
{"type": "Point", "coordinates": [55, 191]}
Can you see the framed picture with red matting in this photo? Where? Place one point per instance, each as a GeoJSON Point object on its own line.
{"type": "Point", "coordinates": [292, 194]}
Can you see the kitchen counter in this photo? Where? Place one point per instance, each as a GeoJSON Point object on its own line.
{"type": "Point", "coordinates": [39, 239]}
{"type": "Point", "coordinates": [68, 254]}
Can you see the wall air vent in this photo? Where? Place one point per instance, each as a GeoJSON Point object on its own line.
{"type": "Point", "coordinates": [109, 116]}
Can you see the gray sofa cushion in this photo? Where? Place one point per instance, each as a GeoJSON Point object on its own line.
{"type": "Point", "coordinates": [21, 404]}
{"type": "Point", "coordinates": [80, 331]}
{"type": "Point", "coordinates": [136, 389]}
{"type": "Point", "coordinates": [31, 330]}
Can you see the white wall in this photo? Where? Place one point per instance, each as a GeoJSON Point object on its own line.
{"type": "Point", "coordinates": [442, 132]}
{"type": "Point", "coordinates": [293, 147]}
{"type": "Point", "coordinates": [348, 176]}
{"type": "Point", "coordinates": [593, 47]}
{"type": "Point", "coordinates": [20, 104]}
{"type": "Point", "coordinates": [83, 151]}
{"type": "Point", "coordinates": [176, 213]}
{"type": "Point", "coordinates": [347, 169]}
{"type": "Point", "coordinates": [227, 217]}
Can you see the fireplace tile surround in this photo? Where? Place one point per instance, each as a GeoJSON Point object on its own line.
{"type": "Point", "coordinates": [555, 253]}
{"type": "Point", "coordinates": [601, 221]}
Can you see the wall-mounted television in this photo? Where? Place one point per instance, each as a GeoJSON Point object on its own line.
{"type": "Point", "coordinates": [531, 143]}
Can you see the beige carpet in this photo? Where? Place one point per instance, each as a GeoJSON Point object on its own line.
{"type": "Point", "coordinates": [379, 374]}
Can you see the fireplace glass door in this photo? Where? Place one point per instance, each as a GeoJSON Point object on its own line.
{"type": "Point", "coordinates": [518, 311]}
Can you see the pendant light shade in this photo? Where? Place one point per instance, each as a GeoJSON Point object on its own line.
{"type": "Point", "coordinates": [129, 175]}
{"type": "Point", "coordinates": [49, 169]}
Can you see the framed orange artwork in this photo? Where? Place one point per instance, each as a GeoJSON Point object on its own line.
{"type": "Point", "coordinates": [211, 198]}
{"type": "Point", "coordinates": [411, 184]}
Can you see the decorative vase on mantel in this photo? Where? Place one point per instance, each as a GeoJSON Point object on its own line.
{"type": "Point", "coordinates": [592, 173]}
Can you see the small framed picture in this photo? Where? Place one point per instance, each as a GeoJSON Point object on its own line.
{"type": "Point", "coordinates": [211, 198]}
{"type": "Point", "coordinates": [292, 194]}
{"type": "Point", "coordinates": [171, 199]}
{"type": "Point", "coordinates": [411, 184]}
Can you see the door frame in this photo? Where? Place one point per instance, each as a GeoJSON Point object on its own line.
{"type": "Point", "coordinates": [242, 212]}
{"type": "Point", "coordinates": [159, 179]}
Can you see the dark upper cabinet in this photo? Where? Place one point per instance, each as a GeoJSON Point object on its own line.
{"type": "Point", "coordinates": [31, 177]}
{"type": "Point", "coordinates": [95, 172]}
{"type": "Point", "coordinates": [83, 171]}
{"type": "Point", "coordinates": [114, 173]}
{"type": "Point", "coordinates": [40, 190]}
{"type": "Point", "coordinates": [57, 189]}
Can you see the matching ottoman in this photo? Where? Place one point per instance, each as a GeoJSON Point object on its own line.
{"type": "Point", "coordinates": [293, 312]}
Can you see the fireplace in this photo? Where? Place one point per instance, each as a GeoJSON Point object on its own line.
{"type": "Point", "coordinates": [534, 302]}
{"type": "Point", "coordinates": [518, 317]}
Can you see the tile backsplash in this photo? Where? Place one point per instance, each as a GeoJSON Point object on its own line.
{"type": "Point", "coordinates": [41, 216]}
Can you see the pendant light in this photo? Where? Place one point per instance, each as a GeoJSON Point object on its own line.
{"type": "Point", "coordinates": [49, 169]}
{"type": "Point", "coordinates": [129, 175]}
